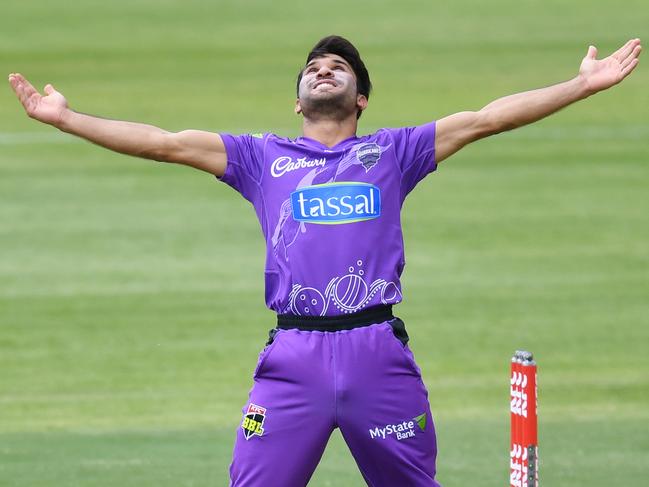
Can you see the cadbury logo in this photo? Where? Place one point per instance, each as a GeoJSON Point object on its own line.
{"type": "Point", "coordinates": [284, 164]}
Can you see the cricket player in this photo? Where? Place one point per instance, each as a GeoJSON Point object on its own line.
{"type": "Point", "coordinates": [329, 205]}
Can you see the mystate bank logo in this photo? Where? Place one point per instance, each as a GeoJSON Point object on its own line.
{"type": "Point", "coordinates": [336, 203]}
{"type": "Point", "coordinates": [401, 431]}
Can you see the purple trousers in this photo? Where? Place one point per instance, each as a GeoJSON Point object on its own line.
{"type": "Point", "coordinates": [364, 381]}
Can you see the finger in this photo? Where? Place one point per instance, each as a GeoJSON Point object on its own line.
{"type": "Point", "coordinates": [627, 71]}
{"type": "Point", "coordinates": [17, 84]}
{"type": "Point", "coordinates": [22, 81]}
{"type": "Point", "coordinates": [617, 53]}
{"type": "Point", "coordinates": [13, 81]}
{"type": "Point", "coordinates": [631, 57]}
{"type": "Point", "coordinates": [19, 89]}
{"type": "Point", "coordinates": [27, 94]}
{"type": "Point", "coordinates": [27, 86]}
{"type": "Point", "coordinates": [592, 52]}
{"type": "Point", "coordinates": [627, 49]}
{"type": "Point", "coordinates": [49, 89]}
{"type": "Point", "coordinates": [24, 89]}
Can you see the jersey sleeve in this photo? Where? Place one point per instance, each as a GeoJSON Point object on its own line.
{"type": "Point", "coordinates": [415, 151]}
{"type": "Point", "coordinates": [245, 163]}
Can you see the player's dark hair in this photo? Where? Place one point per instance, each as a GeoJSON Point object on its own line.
{"type": "Point", "coordinates": [341, 47]}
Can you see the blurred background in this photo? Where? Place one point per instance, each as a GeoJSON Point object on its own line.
{"type": "Point", "coordinates": [131, 292]}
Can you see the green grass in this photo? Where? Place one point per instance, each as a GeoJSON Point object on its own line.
{"type": "Point", "coordinates": [131, 293]}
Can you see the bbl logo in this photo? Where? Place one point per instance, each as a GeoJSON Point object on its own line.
{"type": "Point", "coordinates": [253, 421]}
{"type": "Point", "coordinates": [369, 155]}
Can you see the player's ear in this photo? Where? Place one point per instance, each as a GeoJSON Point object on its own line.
{"type": "Point", "coordinates": [298, 108]}
{"type": "Point", "coordinates": [361, 102]}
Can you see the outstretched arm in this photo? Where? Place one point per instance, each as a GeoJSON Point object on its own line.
{"type": "Point", "coordinates": [196, 148]}
{"type": "Point", "coordinates": [457, 130]}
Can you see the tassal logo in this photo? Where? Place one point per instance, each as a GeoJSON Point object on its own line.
{"type": "Point", "coordinates": [336, 203]}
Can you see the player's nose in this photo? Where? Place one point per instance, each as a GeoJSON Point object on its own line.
{"type": "Point", "coordinates": [324, 71]}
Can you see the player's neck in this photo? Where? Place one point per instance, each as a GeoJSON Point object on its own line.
{"type": "Point", "coordinates": [329, 132]}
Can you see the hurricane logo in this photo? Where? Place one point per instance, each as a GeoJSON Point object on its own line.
{"type": "Point", "coordinates": [368, 155]}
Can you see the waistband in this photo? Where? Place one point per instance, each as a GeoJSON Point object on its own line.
{"type": "Point", "coordinates": [366, 317]}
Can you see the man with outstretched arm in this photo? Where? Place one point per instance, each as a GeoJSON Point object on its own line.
{"type": "Point", "coordinates": [329, 206]}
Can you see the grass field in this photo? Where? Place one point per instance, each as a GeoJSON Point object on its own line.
{"type": "Point", "coordinates": [131, 299]}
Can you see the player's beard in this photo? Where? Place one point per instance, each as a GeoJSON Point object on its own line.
{"type": "Point", "coordinates": [328, 106]}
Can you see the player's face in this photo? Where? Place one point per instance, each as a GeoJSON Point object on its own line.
{"type": "Point", "coordinates": [328, 84]}
{"type": "Point", "coordinates": [326, 75]}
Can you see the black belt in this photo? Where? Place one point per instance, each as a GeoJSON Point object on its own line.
{"type": "Point", "coordinates": [366, 317]}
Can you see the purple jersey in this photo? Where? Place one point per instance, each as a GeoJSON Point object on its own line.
{"type": "Point", "coordinates": [331, 216]}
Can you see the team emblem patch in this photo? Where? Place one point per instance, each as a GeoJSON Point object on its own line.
{"type": "Point", "coordinates": [253, 421]}
{"type": "Point", "coordinates": [368, 155]}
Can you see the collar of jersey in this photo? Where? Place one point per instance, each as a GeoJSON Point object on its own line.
{"type": "Point", "coordinates": [312, 142]}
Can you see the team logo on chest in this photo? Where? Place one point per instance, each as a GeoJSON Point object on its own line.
{"type": "Point", "coordinates": [368, 155]}
{"type": "Point", "coordinates": [253, 421]}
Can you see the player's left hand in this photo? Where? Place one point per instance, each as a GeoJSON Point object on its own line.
{"type": "Point", "coordinates": [48, 108]}
{"type": "Point", "coordinates": [604, 73]}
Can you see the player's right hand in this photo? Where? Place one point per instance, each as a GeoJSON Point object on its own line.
{"type": "Point", "coordinates": [47, 109]}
